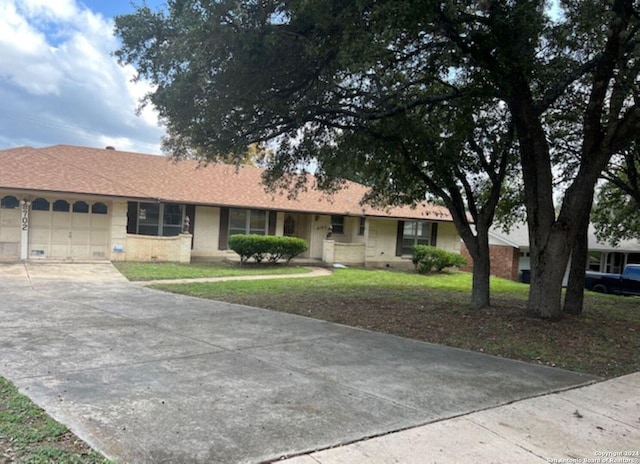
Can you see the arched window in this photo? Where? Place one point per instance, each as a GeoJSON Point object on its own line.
{"type": "Point", "coordinates": [61, 206]}
{"type": "Point", "coordinates": [40, 204]}
{"type": "Point", "coordinates": [9, 202]}
{"type": "Point", "coordinates": [99, 208]}
{"type": "Point", "coordinates": [80, 207]}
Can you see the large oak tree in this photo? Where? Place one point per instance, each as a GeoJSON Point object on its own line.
{"type": "Point", "coordinates": [318, 76]}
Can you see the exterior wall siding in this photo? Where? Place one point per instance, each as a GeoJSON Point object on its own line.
{"type": "Point", "coordinates": [206, 233]}
{"type": "Point", "coordinates": [118, 230]}
{"type": "Point", "coordinates": [381, 240]}
{"type": "Point", "coordinates": [448, 238]}
{"type": "Point", "coordinates": [317, 234]}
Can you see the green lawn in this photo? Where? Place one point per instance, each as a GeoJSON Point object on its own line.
{"type": "Point", "coordinates": [163, 271]}
{"type": "Point", "coordinates": [28, 434]}
{"type": "Point", "coordinates": [603, 341]}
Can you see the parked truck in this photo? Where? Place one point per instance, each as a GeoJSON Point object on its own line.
{"type": "Point", "coordinates": [627, 283]}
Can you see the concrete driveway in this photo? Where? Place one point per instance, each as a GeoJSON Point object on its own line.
{"type": "Point", "coordinates": [146, 376]}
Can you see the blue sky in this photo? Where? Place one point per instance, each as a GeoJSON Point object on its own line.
{"type": "Point", "coordinates": [111, 8]}
{"type": "Point", "coordinates": [60, 84]}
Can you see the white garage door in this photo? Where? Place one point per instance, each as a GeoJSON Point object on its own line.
{"type": "Point", "coordinates": [61, 229]}
{"type": "Point", "coordinates": [9, 227]}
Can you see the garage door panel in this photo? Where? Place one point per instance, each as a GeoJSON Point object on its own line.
{"type": "Point", "coordinates": [59, 251]}
{"type": "Point", "coordinates": [68, 234]}
{"type": "Point", "coordinates": [40, 219]}
{"type": "Point", "coordinates": [80, 220]}
{"type": "Point", "coordinates": [98, 252]}
{"type": "Point", "coordinates": [60, 220]}
{"type": "Point", "coordinates": [100, 221]}
{"type": "Point", "coordinates": [80, 251]}
{"type": "Point", "coordinates": [42, 246]}
{"type": "Point", "coordinates": [39, 235]}
{"type": "Point", "coordinates": [80, 237]}
{"type": "Point", "coordinates": [9, 233]}
{"type": "Point", "coordinates": [60, 236]}
{"type": "Point", "coordinates": [9, 249]}
{"type": "Point", "coordinates": [9, 230]}
{"type": "Point", "coordinates": [99, 237]}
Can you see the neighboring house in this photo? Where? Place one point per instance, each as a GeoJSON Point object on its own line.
{"type": "Point", "coordinates": [505, 256]}
{"type": "Point", "coordinates": [76, 203]}
{"type": "Point", "coordinates": [603, 257]}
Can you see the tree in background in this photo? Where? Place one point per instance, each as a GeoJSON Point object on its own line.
{"type": "Point", "coordinates": [410, 156]}
{"type": "Point", "coordinates": [616, 214]}
{"type": "Point", "coordinates": [317, 77]}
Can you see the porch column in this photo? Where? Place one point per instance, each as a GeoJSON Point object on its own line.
{"type": "Point", "coordinates": [24, 228]}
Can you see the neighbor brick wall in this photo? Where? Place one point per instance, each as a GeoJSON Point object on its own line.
{"type": "Point", "coordinates": [504, 261]}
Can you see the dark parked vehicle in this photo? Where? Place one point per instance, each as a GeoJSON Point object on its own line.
{"type": "Point", "coordinates": [627, 283]}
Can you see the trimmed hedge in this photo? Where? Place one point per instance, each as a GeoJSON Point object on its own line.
{"type": "Point", "coordinates": [426, 258]}
{"type": "Point", "coordinates": [271, 248]}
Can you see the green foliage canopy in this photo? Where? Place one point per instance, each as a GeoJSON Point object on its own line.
{"type": "Point", "coordinates": [616, 214]}
{"type": "Point", "coordinates": [329, 81]}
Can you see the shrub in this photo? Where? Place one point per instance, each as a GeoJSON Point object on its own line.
{"type": "Point", "coordinates": [266, 247]}
{"type": "Point", "coordinates": [426, 258]}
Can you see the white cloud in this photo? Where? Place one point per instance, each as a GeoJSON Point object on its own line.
{"type": "Point", "coordinates": [50, 10]}
{"type": "Point", "coordinates": [59, 82]}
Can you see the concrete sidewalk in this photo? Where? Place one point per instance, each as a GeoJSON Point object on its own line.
{"type": "Point", "coordinates": [313, 272]}
{"type": "Point", "coordinates": [146, 376]}
{"type": "Point", "coordinates": [597, 423]}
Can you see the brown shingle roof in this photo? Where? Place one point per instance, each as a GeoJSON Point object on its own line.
{"type": "Point", "coordinates": [72, 169]}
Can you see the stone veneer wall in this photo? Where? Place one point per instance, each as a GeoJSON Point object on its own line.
{"type": "Point", "coordinates": [149, 248]}
{"type": "Point", "coordinates": [344, 253]}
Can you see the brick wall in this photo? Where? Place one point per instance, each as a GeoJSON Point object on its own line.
{"type": "Point", "coordinates": [504, 261]}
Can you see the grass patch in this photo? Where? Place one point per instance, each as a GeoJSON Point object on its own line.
{"type": "Point", "coordinates": [163, 271]}
{"type": "Point", "coordinates": [28, 434]}
{"type": "Point", "coordinates": [604, 341]}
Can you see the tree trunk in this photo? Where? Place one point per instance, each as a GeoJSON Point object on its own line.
{"type": "Point", "coordinates": [574, 298]}
{"type": "Point", "coordinates": [547, 273]}
{"type": "Point", "coordinates": [480, 292]}
{"type": "Point", "coordinates": [478, 247]}
{"type": "Point", "coordinates": [548, 247]}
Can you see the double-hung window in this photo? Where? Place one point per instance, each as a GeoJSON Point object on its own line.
{"type": "Point", "coordinates": [160, 219]}
{"type": "Point", "coordinates": [415, 233]}
{"type": "Point", "coordinates": [247, 221]}
{"type": "Point", "coordinates": [337, 224]}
